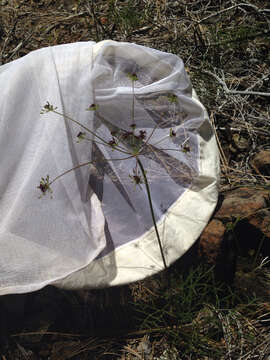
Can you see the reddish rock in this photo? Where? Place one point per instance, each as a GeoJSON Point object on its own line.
{"type": "Point", "coordinates": [262, 222]}
{"type": "Point", "coordinates": [261, 162]}
{"type": "Point", "coordinates": [248, 203]}
{"type": "Point", "coordinates": [211, 239]}
{"type": "Point", "coordinates": [243, 202]}
{"type": "Point", "coordinates": [247, 210]}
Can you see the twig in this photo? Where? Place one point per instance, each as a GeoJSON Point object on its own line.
{"type": "Point", "coordinates": [230, 8]}
{"type": "Point", "coordinates": [265, 177]}
{"type": "Point", "coordinates": [6, 40]}
{"type": "Point", "coordinates": [222, 155]}
{"type": "Point", "coordinates": [133, 352]}
{"type": "Point", "coordinates": [221, 152]}
{"type": "Point", "coordinates": [258, 172]}
{"type": "Point", "coordinates": [31, 333]}
{"type": "Point", "coordinates": [257, 347]}
{"type": "Point", "coordinates": [234, 92]}
{"type": "Point", "coordinates": [265, 77]}
{"type": "Point", "coordinates": [217, 13]}
{"type": "Point", "coordinates": [254, 7]}
{"type": "Point", "coordinates": [117, 334]}
{"type": "Point", "coordinates": [50, 28]}
{"type": "Point", "coordinates": [156, 330]}
{"type": "Point", "coordinates": [20, 45]}
{"type": "Point", "coordinates": [91, 10]}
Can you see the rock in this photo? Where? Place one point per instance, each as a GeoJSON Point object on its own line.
{"type": "Point", "coordinates": [249, 204]}
{"type": "Point", "coordinates": [240, 142]}
{"type": "Point", "coordinates": [242, 202]}
{"type": "Point", "coordinates": [241, 222]}
{"type": "Point", "coordinates": [217, 247]}
{"type": "Point", "coordinates": [211, 239]}
{"type": "Point", "coordinates": [262, 222]}
{"type": "Point", "coordinates": [261, 162]}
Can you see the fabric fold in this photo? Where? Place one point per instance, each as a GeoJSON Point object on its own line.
{"type": "Point", "coordinates": [129, 102]}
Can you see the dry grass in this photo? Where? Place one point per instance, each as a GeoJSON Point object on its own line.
{"type": "Point", "coordinates": [225, 46]}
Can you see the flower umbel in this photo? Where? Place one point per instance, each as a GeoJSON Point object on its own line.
{"type": "Point", "coordinates": [81, 136]}
{"type": "Point", "coordinates": [133, 76]}
{"type": "Point", "coordinates": [185, 148]}
{"type": "Point", "coordinates": [172, 98]}
{"type": "Point", "coordinates": [132, 139]}
{"type": "Point", "coordinates": [136, 176]}
{"type": "Point", "coordinates": [92, 107]}
{"type": "Point", "coordinates": [142, 135]}
{"type": "Point", "coordinates": [112, 143]}
{"type": "Point", "coordinates": [44, 185]}
{"type": "Point", "coordinates": [172, 133]}
{"type": "Point", "coordinates": [47, 108]}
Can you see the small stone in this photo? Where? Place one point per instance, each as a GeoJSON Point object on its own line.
{"type": "Point", "coordinates": [244, 214]}
{"type": "Point", "coordinates": [144, 346]}
{"type": "Point", "coordinates": [250, 204]}
{"type": "Point", "coordinates": [242, 202]}
{"type": "Point", "coordinates": [211, 239]}
{"type": "Point", "coordinates": [261, 162]}
{"type": "Point", "coordinates": [240, 142]}
{"type": "Point", "coordinates": [262, 222]}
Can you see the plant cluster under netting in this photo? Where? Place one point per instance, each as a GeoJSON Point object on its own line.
{"type": "Point", "coordinates": [131, 158]}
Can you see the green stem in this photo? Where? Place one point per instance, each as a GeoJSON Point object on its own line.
{"type": "Point", "coordinates": [68, 171]}
{"type": "Point", "coordinates": [90, 131]}
{"type": "Point", "coordinates": [81, 125]}
{"type": "Point", "coordinates": [133, 103]}
{"type": "Point", "coordinates": [152, 211]}
{"type": "Point", "coordinates": [87, 163]}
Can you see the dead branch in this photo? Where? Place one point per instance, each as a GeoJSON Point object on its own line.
{"type": "Point", "coordinates": [230, 8]}
{"type": "Point", "coordinates": [234, 92]}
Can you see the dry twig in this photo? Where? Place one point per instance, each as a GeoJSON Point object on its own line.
{"type": "Point", "coordinates": [234, 92]}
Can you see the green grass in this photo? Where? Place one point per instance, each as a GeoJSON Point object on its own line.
{"type": "Point", "coordinates": [200, 317]}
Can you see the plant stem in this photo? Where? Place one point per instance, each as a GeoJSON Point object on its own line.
{"type": "Point", "coordinates": [152, 211]}
{"type": "Point", "coordinates": [87, 163]}
{"type": "Point", "coordinates": [133, 103]}
{"type": "Point", "coordinates": [68, 171]}
{"type": "Point", "coordinates": [104, 142]}
{"type": "Point", "coordinates": [81, 125]}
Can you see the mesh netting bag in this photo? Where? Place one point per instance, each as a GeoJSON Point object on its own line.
{"type": "Point", "coordinates": [125, 118]}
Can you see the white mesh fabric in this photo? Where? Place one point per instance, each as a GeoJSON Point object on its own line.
{"type": "Point", "coordinates": [97, 230]}
{"type": "Point", "coordinates": [169, 169]}
{"type": "Point", "coordinates": [42, 240]}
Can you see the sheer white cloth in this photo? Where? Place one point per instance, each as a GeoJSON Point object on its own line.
{"type": "Point", "coordinates": [97, 230]}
